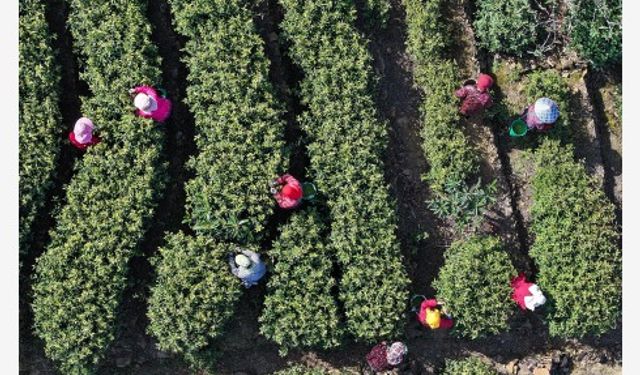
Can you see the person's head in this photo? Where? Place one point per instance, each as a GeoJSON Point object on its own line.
{"type": "Point", "coordinates": [83, 130]}
{"type": "Point", "coordinates": [291, 191]}
{"type": "Point", "coordinates": [546, 110]}
{"type": "Point", "coordinates": [396, 353]}
{"type": "Point", "coordinates": [243, 261]}
{"type": "Point", "coordinates": [536, 299]}
{"type": "Point", "coordinates": [484, 82]}
{"type": "Point", "coordinates": [433, 318]}
{"type": "Point", "coordinates": [145, 103]}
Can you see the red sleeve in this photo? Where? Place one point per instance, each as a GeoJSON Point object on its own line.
{"type": "Point", "coordinates": [461, 93]}
{"type": "Point", "coordinates": [282, 179]}
{"type": "Point", "coordinates": [486, 100]}
{"type": "Point", "coordinates": [446, 323]}
{"type": "Point", "coordinates": [429, 303]}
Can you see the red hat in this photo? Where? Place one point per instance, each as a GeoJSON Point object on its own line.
{"type": "Point", "coordinates": [484, 82]}
{"type": "Point", "coordinates": [291, 191]}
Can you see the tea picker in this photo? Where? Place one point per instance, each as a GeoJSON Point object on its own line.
{"type": "Point", "coordinates": [526, 294]}
{"type": "Point", "coordinates": [247, 266]}
{"type": "Point", "coordinates": [289, 193]}
{"type": "Point", "coordinates": [540, 116]}
{"type": "Point", "coordinates": [385, 357]}
{"type": "Point", "coordinates": [432, 314]}
{"type": "Point", "coordinates": [82, 135]}
{"type": "Point", "coordinates": [475, 95]}
{"type": "Point", "coordinates": [150, 104]}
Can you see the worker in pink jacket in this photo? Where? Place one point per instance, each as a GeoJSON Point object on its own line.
{"type": "Point", "coordinates": [149, 104]}
{"type": "Point", "coordinates": [82, 135]}
{"type": "Point", "coordinates": [475, 96]}
{"type": "Point", "coordinates": [287, 191]}
{"type": "Point", "coordinates": [432, 315]}
{"type": "Point", "coordinates": [526, 294]}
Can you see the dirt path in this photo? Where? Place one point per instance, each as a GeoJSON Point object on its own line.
{"type": "Point", "coordinates": [504, 218]}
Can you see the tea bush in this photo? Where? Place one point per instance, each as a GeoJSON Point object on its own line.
{"type": "Point", "coordinates": [506, 26]}
{"type": "Point", "coordinates": [346, 142]}
{"type": "Point", "coordinates": [474, 284]}
{"type": "Point", "coordinates": [575, 247]}
{"type": "Point", "coordinates": [40, 122]}
{"type": "Point", "coordinates": [299, 309]}
{"type": "Point", "coordinates": [301, 370]}
{"type": "Point", "coordinates": [195, 294]}
{"type": "Point", "coordinates": [79, 280]}
{"type": "Point", "coordinates": [239, 136]}
{"type": "Point", "coordinates": [467, 366]}
{"type": "Point", "coordinates": [595, 29]}
{"type": "Point", "coordinates": [238, 121]}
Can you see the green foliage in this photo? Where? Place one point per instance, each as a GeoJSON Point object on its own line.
{"type": "Point", "coordinates": [195, 294]}
{"type": "Point", "coordinates": [550, 84]}
{"type": "Point", "coordinates": [474, 284]}
{"type": "Point", "coordinates": [376, 13]}
{"type": "Point", "coordinates": [450, 156]}
{"type": "Point", "coordinates": [346, 142]}
{"type": "Point", "coordinates": [506, 26]}
{"type": "Point", "coordinates": [299, 309]}
{"type": "Point", "coordinates": [595, 28]}
{"type": "Point", "coordinates": [464, 204]}
{"type": "Point", "coordinates": [301, 370]}
{"type": "Point", "coordinates": [79, 281]}
{"type": "Point", "coordinates": [239, 135]}
{"type": "Point", "coordinates": [467, 366]}
{"type": "Point", "coordinates": [575, 245]}
{"type": "Point", "coordinates": [39, 115]}
{"type": "Point", "coordinates": [239, 124]}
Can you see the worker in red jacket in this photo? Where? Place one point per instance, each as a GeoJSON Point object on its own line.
{"type": "Point", "coordinates": [433, 316]}
{"type": "Point", "coordinates": [82, 135]}
{"type": "Point", "coordinates": [384, 357]}
{"type": "Point", "coordinates": [287, 191]}
{"type": "Point", "coordinates": [475, 96]}
{"type": "Point", "coordinates": [526, 294]}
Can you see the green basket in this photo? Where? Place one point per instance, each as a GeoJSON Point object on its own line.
{"type": "Point", "coordinates": [309, 191]}
{"type": "Point", "coordinates": [518, 128]}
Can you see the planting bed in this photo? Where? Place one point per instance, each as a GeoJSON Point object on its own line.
{"type": "Point", "coordinates": [126, 245]}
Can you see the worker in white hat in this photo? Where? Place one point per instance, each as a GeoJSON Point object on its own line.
{"type": "Point", "coordinates": [149, 104]}
{"type": "Point", "coordinates": [82, 134]}
{"type": "Point", "coordinates": [248, 267]}
{"type": "Point", "coordinates": [541, 115]}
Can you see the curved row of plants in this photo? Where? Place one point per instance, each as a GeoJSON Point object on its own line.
{"type": "Point", "coordinates": [39, 115]}
{"type": "Point", "coordinates": [576, 240]}
{"type": "Point", "coordinates": [593, 28]}
{"type": "Point", "coordinates": [239, 136]}
{"type": "Point", "coordinates": [79, 281]}
{"type": "Point", "coordinates": [300, 309]}
{"type": "Point", "coordinates": [346, 142]}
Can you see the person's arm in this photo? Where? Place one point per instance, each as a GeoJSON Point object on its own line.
{"type": "Point", "coordinates": [486, 100]}
{"type": "Point", "coordinates": [232, 264]}
{"type": "Point", "coordinates": [461, 93]}
{"type": "Point", "coordinates": [255, 258]}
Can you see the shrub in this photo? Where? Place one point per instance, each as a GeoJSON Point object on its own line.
{"type": "Point", "coordinates": [39, 115]}
{"type": "Point", "coordinates": [239, 124]}
{"type": "Point", "coordinates": [239, 135]}
{"type": "Point", "coordinates": [505, 26]}
{"type": "Point", "coordinates": [575, 247]}
{"type": "Point", "coordinates": [79, 281]}
{"type": "Point", "coordinates": [595, 28]}
{"type": "Point", "coordinates": [299, 309]}
{"type": "Point", "coordinates": [467, 366]}
{"type": "Point", "coordinates": [346, 142]}
{"type": "Point", "coordinates": [474, 284]}
{"type": "Point", "coordinates": [301, 370]}
{"type": "Point", "coordinates": [195, 294]}
{"type": "Point", "coordinates": [376, 13]}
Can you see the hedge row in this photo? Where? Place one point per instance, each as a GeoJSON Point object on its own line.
{"type": "Point", "coordinates": [299, 309]}
{"type": "Point", "coordinates": [40, 119]}
{"type": "Point", "coordinates": [595, 28]}
{"type": "Point", "coordinates": [474, 284]}
{"type": "Point", "coordinates": [467, 366]}
{"type": "Point", "coordinates": [575, 247]}
{"type": "Point", "coordinates": [506, 26]}
{"type": "Point", "coordinates": [194, 293]}
{"type": "Point", "coordinates": [239, 135]}
{"type": "Point", "coordinates": [238, 121]}
{"type": "Point", "coordinates": [80, 279]}
{"type": "Point", "coordinates": [346, 142]}
{"type": "Point", "coordinates": [451, 158]}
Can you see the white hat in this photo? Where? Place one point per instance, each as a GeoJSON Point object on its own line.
{"type": "Point", "coordinates": [145, 103]}
{"type": "Point", "coordinates": [83, 130]}
{"type": "Point", "coordinates": [537, 299]}
{"type": "Point", "coordinates": [243, 261]}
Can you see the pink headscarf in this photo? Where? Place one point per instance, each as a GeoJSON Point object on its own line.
{"type": "Point", "coordinates": [83, 130]}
